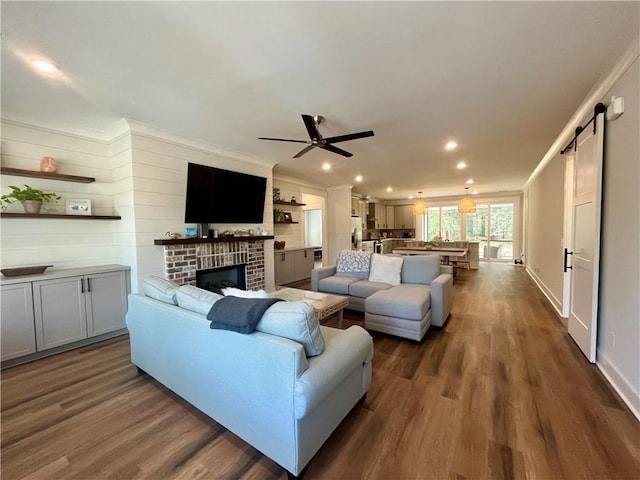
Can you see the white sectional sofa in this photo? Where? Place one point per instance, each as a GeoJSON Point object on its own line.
{"type": "Point", "coordinates": [283, 392]}
{"type": "Point", "coordinates": [404, 297]}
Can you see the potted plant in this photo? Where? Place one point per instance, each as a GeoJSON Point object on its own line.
{"type": "Point", "coordinates": [31, 198]}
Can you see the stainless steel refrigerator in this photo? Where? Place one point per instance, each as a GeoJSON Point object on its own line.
{"type": "Point", "coordinates": [356, 233]}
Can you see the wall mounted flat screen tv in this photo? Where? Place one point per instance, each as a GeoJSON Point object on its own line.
{"type": "Point", "coordinates": [215, 195]}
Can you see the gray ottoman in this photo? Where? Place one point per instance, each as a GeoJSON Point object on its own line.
{"type": "Point", "coordinates": [403, 310]}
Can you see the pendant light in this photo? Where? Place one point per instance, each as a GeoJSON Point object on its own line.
{"type": "Point", "coordinates": [466, 203]}
{"type": "Point", "coordinates": [420, 206]}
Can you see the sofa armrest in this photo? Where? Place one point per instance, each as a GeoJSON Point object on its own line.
{"type": "Point", "coordinates": [446, 269]}
{"type": "Point", "coordinates": [318, 274]}
{"type": "Point", "coordinates": [351, 350]}
{"type": "Point", "coordinates": [441, 298]}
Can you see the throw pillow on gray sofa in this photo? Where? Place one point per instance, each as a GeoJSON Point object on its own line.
{"type": "Point", "coordinates": [353, 263]}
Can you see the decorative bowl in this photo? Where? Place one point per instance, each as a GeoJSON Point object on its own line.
{"type": "Point", "coordinates": [17, 271]}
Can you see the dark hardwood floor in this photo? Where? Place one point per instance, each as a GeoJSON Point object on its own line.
{"type": "Point", "coordinates": [500, 392]}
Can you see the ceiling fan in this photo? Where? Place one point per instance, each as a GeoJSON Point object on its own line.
{"type": "Point", "coordinates": [312, 122]}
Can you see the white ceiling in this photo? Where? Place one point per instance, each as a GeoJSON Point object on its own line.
{"type": "Point", "coordinates": [502, 79]}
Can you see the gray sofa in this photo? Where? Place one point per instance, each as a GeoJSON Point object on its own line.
{"type": "Point", "coordinates": [423, 297]}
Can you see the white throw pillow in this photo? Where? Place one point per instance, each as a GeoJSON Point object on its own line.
{"type": "Point", "coordinates": [236, 292]}
{"type": "Point", "coordinates": [385, 269]}
{"type": "Point", "coordinates": [196, 299]}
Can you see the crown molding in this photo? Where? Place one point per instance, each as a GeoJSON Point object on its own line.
{"type": "Point", "coordinates": [601, 87]}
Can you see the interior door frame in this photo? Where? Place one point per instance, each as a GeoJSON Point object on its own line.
{"type": "Point", "coordinates": [567, 236]}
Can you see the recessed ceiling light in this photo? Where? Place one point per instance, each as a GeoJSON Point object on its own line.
{"type": "Point", "coordinates": [475, 192]}
{"type": "Point", "coordinates": [461, 165]}
{"type": "Point", "coordinates": [389, 189]}
{"type": "Point", "coordinates": [410, 197]}
{"type": "Point", "coordinates": [44, 66]}
{"type": "Point", "coordinates": [469, 182]}
{"type": "Point", "coordinates": [358, 178]}
{"type": "Point", "coordinates": [451, 145]}
{"type": "Point", "coordinates": [326, 166]}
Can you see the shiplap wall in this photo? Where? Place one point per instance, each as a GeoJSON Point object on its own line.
{"type": "Point", "coordinates": [139, 176]}
{"type": "Point", "coordinates": [62, 243]}
{"type": "Point", "coordinates": [159, 172]}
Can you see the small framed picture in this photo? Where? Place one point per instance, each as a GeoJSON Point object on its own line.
{"type": "Point", "coordinates": [190, 232]}
{"type": "Point", "coordinates": [287, 217]}
{"type": "Point", "coordinates": [78, 206]}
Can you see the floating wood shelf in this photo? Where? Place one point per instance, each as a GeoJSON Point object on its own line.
{"type": "Point", "coordinates": [284, 223]}
{"type": "Point", "coordinates": [180, 241]}
{"type": "Point", "coordinates": [47, 216]}
{"type": "Point", "coordinates": [50, 176]}
{"type": "Point", "coordinates": [293, 204]}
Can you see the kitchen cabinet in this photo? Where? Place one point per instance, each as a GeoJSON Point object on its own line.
{"type": "Point", "coordinates": [61, 309]}
{"type": "Point", "coordinates": [390, 217]}
{"type": "Point", "coordinates": [404, 217]}
{"type": "Point", "coordinates": [380, 216]}
{"type": "Point", "coordinates": [17, 328]}
{"type": "Point", "coordinates": [293, 265]}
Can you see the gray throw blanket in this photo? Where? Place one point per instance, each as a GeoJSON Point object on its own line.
{"type": "Point", "coordinates": [238, 314]}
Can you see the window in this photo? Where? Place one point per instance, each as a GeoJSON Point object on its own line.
{"type": "Point", "coordinates": [491, 225]}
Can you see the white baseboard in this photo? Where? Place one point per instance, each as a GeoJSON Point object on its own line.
{"type": "Point", "coordinates": [629, 395]}
{"type": "Point", "coordinates": [555, 303]}
{"type": "Point", "coordinates": [617, 381]}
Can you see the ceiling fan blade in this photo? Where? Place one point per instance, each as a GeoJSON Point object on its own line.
{"type": "Point", "coordinates": [311, 127]}
{"type": "Point", "coordinates": [284, 140]}
{"type": "Point", "coordinates": [304, 150]}
{"type": "Point", "coordinates": [351, 136]}
{"type": "Point", "coordinates": [337, 150]}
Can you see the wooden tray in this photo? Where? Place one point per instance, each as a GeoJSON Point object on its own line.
{"type": "Point", "coordinates": [17, 271]}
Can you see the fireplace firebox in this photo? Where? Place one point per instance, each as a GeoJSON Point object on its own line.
{"type": "Point", "coordinates": [215, 279]}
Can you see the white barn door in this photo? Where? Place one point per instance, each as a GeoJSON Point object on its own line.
{"type": "Point", "coordinates": [585, 237]}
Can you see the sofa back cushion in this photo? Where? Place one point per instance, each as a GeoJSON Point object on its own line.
{"type": "Point", "coordinates": [196, 299]}
{"type": "Point", "coordinates": [296, 321]}
{"type": "Point", "coordinates": [353, 263]}
{"type": "Point", "coordinates": [385, 269]}
{"type": "Point", "coordinates": [160, 289]}
{"type": "Point", "coordinates": [421, 269]}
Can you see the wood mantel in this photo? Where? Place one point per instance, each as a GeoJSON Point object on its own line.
{"type": "Point", "coordinates": [188, 241]}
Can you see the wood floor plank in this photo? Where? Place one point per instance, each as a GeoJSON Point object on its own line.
{"type": "Point", "coordinates": [500, 392]}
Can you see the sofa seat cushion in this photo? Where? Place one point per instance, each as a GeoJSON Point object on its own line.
{"type": "Point", "coordinates": [337, 285]}
{"type": "Point", "coordinates": [410, 302]}
{"type": "Point", "coordinates": [365, 288]}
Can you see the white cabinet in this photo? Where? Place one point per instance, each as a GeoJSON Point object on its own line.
{"type": "Point", "coordinates": [303, 263]}
{"type": "Point", "coordinates": [380, 216]}
{"type": "Point", "coordinates": [391, 216]}
{"type": "Point", "coordinates": [43, 313]}
{"type": "Point", "coordinates": [17, 327]}
{"type": "Point", "coordinates": [93, 305]}
{"type": "Point", "coordinates": [283, 267]}
{"type": "Point", "coordinates": [404, 217]}
{"type": "Point", "coordinates": [293, 265]}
